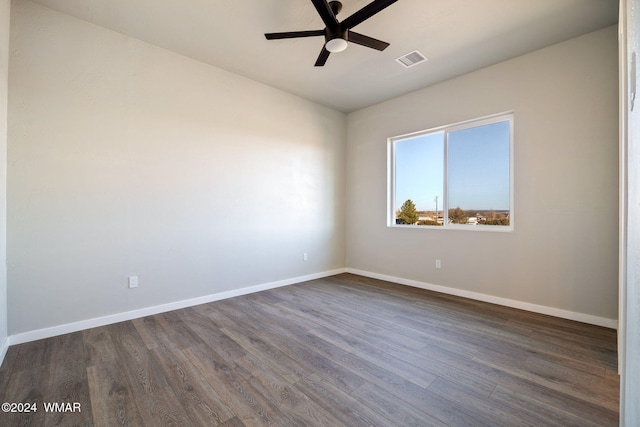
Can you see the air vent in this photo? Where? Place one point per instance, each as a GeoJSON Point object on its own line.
{"type": "Point", "coordinates": [411, 59]}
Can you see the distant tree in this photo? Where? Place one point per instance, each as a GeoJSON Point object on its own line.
{"type": "Point", "coordinates": [429, 222]}
{"type": "Point", "coordinates": [457, 216]}
{"type": "Point", "coordinates": [408, 213]}
{"type": "Point", "coordinates": [499, 221]}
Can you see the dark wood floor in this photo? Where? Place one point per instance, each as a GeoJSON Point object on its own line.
{"type": "Point", "coordinates": [341, 351]}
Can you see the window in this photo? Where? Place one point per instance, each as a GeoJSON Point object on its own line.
{"type": "Point", "coordinates": [458, 176]}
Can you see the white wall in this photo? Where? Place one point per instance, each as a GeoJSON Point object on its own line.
{"type": "Point", "coordinates": [4, 85]}
{"type": "Point", "coordinates": [127, 159]}
{"type": "Point", "coordinates": [563, 252]}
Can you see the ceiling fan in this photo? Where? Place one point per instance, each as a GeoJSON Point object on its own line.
{"type": "Point", "coordinates": [338, 34]}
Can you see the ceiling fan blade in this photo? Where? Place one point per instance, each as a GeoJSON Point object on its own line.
{"type": "Point", "coordinates": [366, 12]}
{"type": "Point", "coordinates": [325, 12]}
{"type": "Point", "coordinates": [367, 41]}
{"type": "Point", "coordinates": [294, 34]}
{"type": "Point", "coordinates": [322, 58]}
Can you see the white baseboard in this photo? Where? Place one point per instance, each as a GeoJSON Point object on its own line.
{"type": "Point", "coordinates": [550, 311]}
{"type": "Point", "coordinates": [149, 311]}
{"type": "Point", "coordinates": [3, 349]}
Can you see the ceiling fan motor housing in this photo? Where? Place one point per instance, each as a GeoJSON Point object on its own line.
{"type": "Point", "coordinates": [336, 39]}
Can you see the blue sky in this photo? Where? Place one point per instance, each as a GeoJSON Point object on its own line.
{"type": "Point", "coordinates": [419, 171]}
{"type": "Point", "coordinates": [478, 169]}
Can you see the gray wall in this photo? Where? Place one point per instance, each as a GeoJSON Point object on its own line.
{"type": "Point", "coordinates": [106, 133]}
{"type": "Point", "coordinates": [127, 159]}
{"type": "Point", "coordinates": [563, 252]}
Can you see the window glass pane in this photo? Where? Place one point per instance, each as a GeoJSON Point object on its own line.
{"type": "Point", "coordinates": [478, 175]}
{"type": "Point", "coordinates": [419, 178]}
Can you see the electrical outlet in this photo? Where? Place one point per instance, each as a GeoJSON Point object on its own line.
{"type": "Point", "coordinates": [305, 256]}
{"type": "Point", "coordinates": [133, 282]}
{"type": "Point", "coordinates": [438, 264]}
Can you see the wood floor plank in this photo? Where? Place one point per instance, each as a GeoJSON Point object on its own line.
{"type": "Point", "coordinates": [286, 362]}
{"type": "Point", "coordinates": [310, 360]}
{"type": "Point", "coordinates": [538, 413]}
{"type": "Point", "coordinates": [149, 330]}
{"type": "Point", "coordinates": [419, 375]}
{"type": "Point", "coordinates": [252, 408]}
{"type": "Point", "coordinates": [517, 383]}
{"type": "Point", "coordinates": [199, 400]}
{"type": "Point", "coordinates": [143, 372]}
{"type": "Point", "coordinates": [162, 408]}
{"type": "Point", "coordinates": [480, 408]}
{"type": "Point", "coordinates": [68, 382]}
{"type": "Point", "coordinates": [347, 409]}
{"type": "Point", "coordinates": [593, 388]}
{"type": "Point", "coordinates": [6, 370]}
{"type": "Point", "coordinates": [383, 402]}
{"type": "Point", "coordinates": [233, 422]}
{"type": "Point", "coordinates": [99, 347]}
{"type": "Point", "coordinates": [300, 409]}
{"type": "Point", "coordinates": [112, 399]}
{"type": "Point", "coordinates": [177, 331]}
{"type": "Point", "coordinates": [27, 386]}
{"type": "Point", "coordinates": [32, 355]}
{"type": "Point", "coordinates": [340, 351]}
{"type": "Point", "coordinates": [210, 331]}
{"type": "Point", "coordinates": [374, 372]}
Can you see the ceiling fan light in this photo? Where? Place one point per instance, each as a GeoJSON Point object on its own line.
{"type": "Point", "coordinates": [336, 45]}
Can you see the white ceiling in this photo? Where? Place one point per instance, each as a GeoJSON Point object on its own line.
{"type": "Point", "coordinates": [458, 36]}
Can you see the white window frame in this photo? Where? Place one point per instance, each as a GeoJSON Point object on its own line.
{"type": "Point", "coordinates": [447, 129]}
